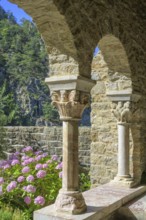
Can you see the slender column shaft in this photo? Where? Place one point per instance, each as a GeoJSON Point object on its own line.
{"type": "Point", "coordinates": [70, 156]}
{"type": "Point", "coordinates": [123, 150]}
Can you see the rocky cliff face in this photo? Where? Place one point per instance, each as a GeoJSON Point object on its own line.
{"type": "Point", "coordinates": [30, 98]}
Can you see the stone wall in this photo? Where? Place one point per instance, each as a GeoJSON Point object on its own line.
{"type": "Point", "coordinates": [104, 130]}
{"type": "Point", "coordinates": [48, 139]}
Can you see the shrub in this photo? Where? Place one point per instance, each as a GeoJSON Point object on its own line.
{"type": "Point", "coordinates": [7, 213]}
{"type": "Point", "coordinates": [84, 182]}
{"type": "Point", "coordinates": [30, 180]}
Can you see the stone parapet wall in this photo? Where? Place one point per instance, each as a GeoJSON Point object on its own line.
{"type": "Point", "coordinates": [48, 139]}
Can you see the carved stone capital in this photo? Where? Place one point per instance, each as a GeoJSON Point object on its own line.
{"type": "Point", "coordinates": [70, 103]}
{"type": "Point", "coordinates": [71, 202]}
{"type": "Point", "coordinates": [122, 111]}
{"type": "Point", "coordinates": [124, 104]}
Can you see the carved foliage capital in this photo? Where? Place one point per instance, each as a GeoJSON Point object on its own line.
{"type": "Point", "coordinates": [123, 111]}
{"type": "Point", "coordinates": [70, 103]}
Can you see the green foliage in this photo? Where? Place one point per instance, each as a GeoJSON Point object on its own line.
{"type": "Point", "coordinates": [84, 181]}
{"type": "Point", "coordinates": [3, 142]}
{"type": "Point", "coordinates": [5, 214]}
{"type": "Point", "coordinates": [8, 213]}
{"type": "Point", "coordinates": [8, 108]}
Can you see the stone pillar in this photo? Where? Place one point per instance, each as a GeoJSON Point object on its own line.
{"type": "Point", "coordinates": [123, 106]}
{"type": "Point", "coordinates": [123, 150]}
{"type": "Point", "coordinates": [122, 111]}
{"type": "Point", "coordinates": [70, 95]}
{"type": "Point", "coordinates": [70, 104]}
{"type": "Point", "coordinates": [70, 156]}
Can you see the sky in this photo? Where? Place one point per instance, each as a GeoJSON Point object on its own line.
{"type": "Point", "coordinates": [17, 12]}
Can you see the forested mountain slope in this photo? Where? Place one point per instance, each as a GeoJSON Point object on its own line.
{"type": "Point", "coordinates": [23, 68]}
{"type": "Point", "coordinates": [24, 96]}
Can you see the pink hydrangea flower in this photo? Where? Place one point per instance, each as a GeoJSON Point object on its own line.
{"type": "Point", "coordinates": [27, 200]}
{"type": "Point", "coordinates": [54, 157]}
{"type": "Point", "coordinates": [28, 161]}
{"type": "Point", "coordinates": [7, 166]}
{"type": "Point", "coordinates": [16, 153]}
{"type": "Point", "coordinates": [59, 166]}
{"type": "Point", "coordinates": [31, 160]}
{"type": "Point", "coordinates": [30, 189]}
{"type": "Point", "coordinates": [27, 149]}
{"type": "Point", "coordinates": [30, 178]}
{"type": "Point", "coordinates": [44, 155]}
{"type": "Point", "coordinates": [11, 186]}
{"type": "Point", "coordinates": [39, 157]}
{"type": "Point", "coordinates": [14, 162]}
{"type": "Point", "coordinates": [25, 169]}
{"type": "Point", "coordinates": [20, 179]}
{"type": "Point", "coordinates": [41, 174]}
{"type": "Point", "coordinates": [1, 180]}
{"type": "Point", "coordinates": [38, 152]}
{"type": "Point", "coordinates": [39, 200]}
{"type": "Point", "coordinates": [25, 157]}
{"type": "Point", "coordinates": [25, 162]}
{"type": "Point", "coordinates": [45, 165]}
{"type": "Point", "coordinates": [38, 166]}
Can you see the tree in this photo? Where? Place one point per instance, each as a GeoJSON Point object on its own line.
{"type": "Point", "coordinates": [8, 109]}
{"type": "Point", "coordinates": [23, 65]}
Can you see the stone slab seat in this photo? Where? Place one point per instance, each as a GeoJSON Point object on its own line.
{"type": "Point", "coordinates": [101, 202]}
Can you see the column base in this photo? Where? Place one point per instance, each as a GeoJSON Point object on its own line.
{"type": "Point", "coordinates": [125, 180]}
{"type": "Point", "coordinates": [71, 202]}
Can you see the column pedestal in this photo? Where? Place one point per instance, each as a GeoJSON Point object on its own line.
{"type": "Point", "coordinates": [71, 202]}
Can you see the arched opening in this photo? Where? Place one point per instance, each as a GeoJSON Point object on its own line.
{"type": "Point", "coordinates": [51, 24]}
{"type": "Point", "coordinates": [111, 70]}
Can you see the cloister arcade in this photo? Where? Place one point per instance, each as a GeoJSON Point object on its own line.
{"type": "Point", "coordinates": [115, 78]}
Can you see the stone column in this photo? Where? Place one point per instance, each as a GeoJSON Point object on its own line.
{"type": "Point", "coordinates": [70, 104]}
{"type": "Point", "coordinates": [70, 155]}
{"type": "Point", "coordinates": [70, 95]}
{"type": "Point", "coordinates": [124, 104]}
{"type": "Point", "coordinates": [122, 111]}
{"type": "Point", "coordinates": [123, 150]}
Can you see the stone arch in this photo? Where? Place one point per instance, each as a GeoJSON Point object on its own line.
{"type": "Point", "coordinates": [56, 34]}
{"type": "Point", "coordinates": [51, 24]}
{"type": "Point", "coordinates": [112, 72]}
{"type": "Point", "coordinates": [114, 54]}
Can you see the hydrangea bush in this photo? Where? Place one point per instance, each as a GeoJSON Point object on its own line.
{"type": "Point", "coordinates": [30, 180]}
